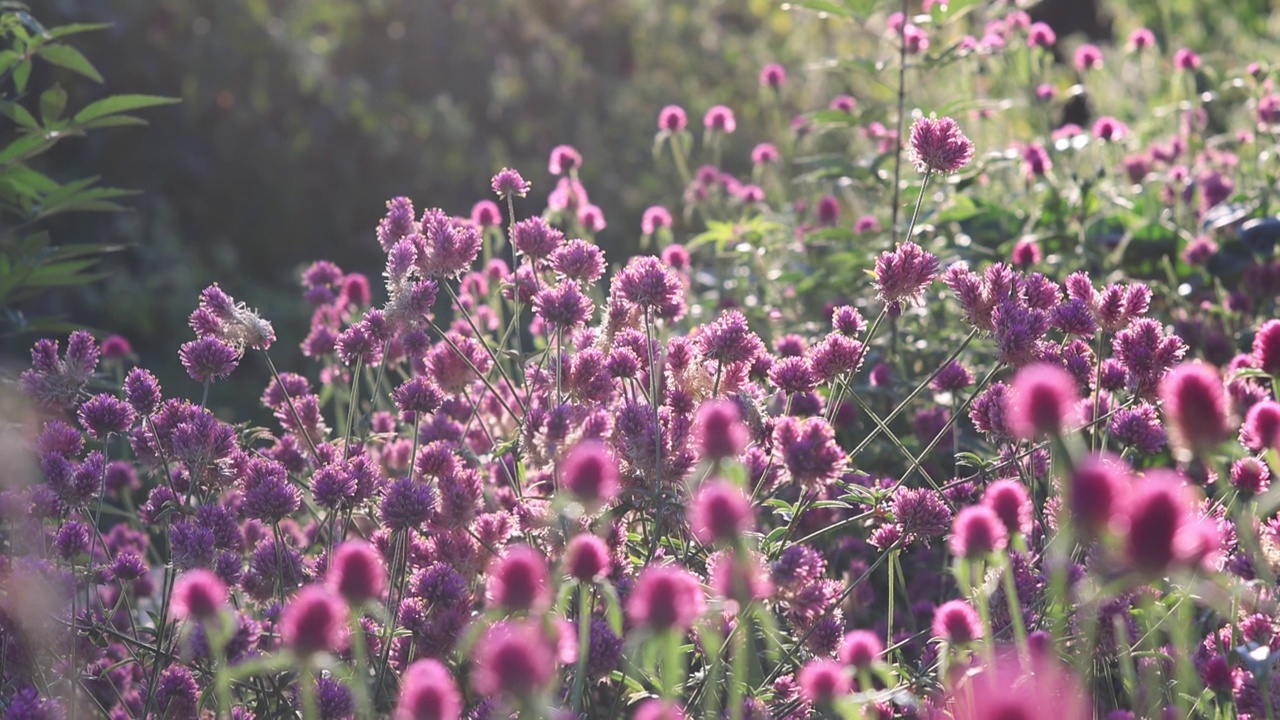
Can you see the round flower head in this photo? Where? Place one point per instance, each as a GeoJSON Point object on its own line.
{"type": "Point", "coordinates": [1250, 475]}
{"type": "Point", "coordinates": [590, 473]}
{"type": "Point", "coordinates": [1014, 689]}
{"type": "Point", "coordinates": [518, 581]}
{"type": "Point", "coordinates": [905, 273]}
{"type": "Point", "coordinates": [720, 430]}
{"type": "Point", "coordinates": [586, 557]}
{"type": "Point", "coordinates": [1158, 511]}
{"type": "Point", "coordinates": [655, 217]}
{"type": "Point", "coordinates": [1099, 485]}
{"type": "Point", "coordinates": [938, 145]}
{"type": "Point", "coordinates": [428, 692]}
{"type": "Point", "coordinates": [719, 513]}
{"type": "Point", "coordinates": [1185, 59]}
{"type": "Point", "coordinates": [666, 598]}
{"type": "Point", "coordinates": [822, 681]}
{"type": "Point", "coordinates": [563, 159]}
{"type": "Point", "coordinates": [720, 119]}
{"type": "Point", "coordinates": [1088, 57]}
{"type": "Point", "coordinates": [578, 260]}
{"type": "Point", "coordinates": [142, 391]}
{"type": "Point", "coordinates": [1042, 401]}
{"type": "Point", "coordinates": [115, 347]}
{"type": "Point", "coordinates": [1009, 500]}
{"type": "Point", "coordinates": [773, 76]}
{"type": "Point", "coordinates": [1041, 35]}
{"type": "Point", "coordinates": [514, 659]}
{"type": "Point", "coordinates": [508, 183]}
{"type": "Point", "coordinates": [977, 532]}
{"type": "Point", "coordinates": [103, 415]}
{"type": "Point", "coordinates": [486, 214]}
{"type": "Point", "coordinates": [1195, 407]}
{"type": "Point", "coordinates": [1261, 428]}
{"type": "Point", "coordinates": [1266, 347]}
{"type": "Point", "coordinates": [208, 359]}
{"type": "Point", "coordinates": [1141, 39]}
{"type": "Point", "coordinates": [861, 648]}
{"type": "Point", "coordinates": [672, 118]}
{"type": "Point", "coordinates": [764, 154]}
{"type": "Point", "coordinates": [843, 103]}
{"type": "Point", "coordinates": [314, 622]}
{"type": "Point", "coordinates": [357, 572]}
{"type": "Point", "coordinates": [957, 622]}
{"type": "Point", "coordinates": [1110, 129]}
{"type": "Point", "coordinates": [198, 594]}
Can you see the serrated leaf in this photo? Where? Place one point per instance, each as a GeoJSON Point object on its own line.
{"type": "Point", "coordinates": [52, 102]}
{"type": "Point", "coordinates": [119, 104]}
{"type": "Point", "coordinates": [70, 58]}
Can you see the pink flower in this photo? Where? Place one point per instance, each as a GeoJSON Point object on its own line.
{"type": "Point", "coordinates": [905, 273]}
{"type": "Point", "coordinates": [672, 119]}
{"type": "Point", "coordinates": [655, 709]}
{"type": "Point", "coordinates": [719, 513]}
{"type": "Point", "coordinates": [720, 432]}
{"type": "Point", "coordinates": [357, 572]}
{"type": "Point", "coordinates": [512, 658]}
{"type": "Point", "coordinates": [938, 145]}
{"type": "Point", "coordinates": [1011, 503]}
{"type": "Point", "coordinates": [563, 159]}
{"type": "Point", "coordinates": [1010, 690]}
{"type": "Point", "coordinates": [428, 692]}
{"type": "Point", "coordinates": [518, 581]}
{"type": "Point", "coordinates": [198, 594]}
{"type": "Point", "coordinates": [1099, 486]}
{"type": "Point", "coordinates": [586, 557]}
{"type": "Point", "coordinates": [1195, 407]}
{"type": "Point", "coordinates": [1041, 35]}
{"type": "Point", "coordinates": [977, 533]}
{"type": "Point", "coordinates": [773, 76]}
{"type": "Point", "coordinates": [861, 648]}
{"type": "Point", "coordinates": [315, 621]}
{"type": "Point", "coordinates": [590, 472]}
{"type": "Point", "coordinates": [957, 622]}
{"type": "Point", "coordinates": [666, 598]}
{"type": "Point", "coordinates": [1141, 38]}
{"type": "Point", "coordinates": [1042, 401]}
{"type": "Point", "coordinates": [1185, 59]}
{"type": "Point", "coordinates": [822, 681]}
{"type": "Point", "coordinates": [1088, 57]}
{"type": "Point", "coordinates": [720, 118]}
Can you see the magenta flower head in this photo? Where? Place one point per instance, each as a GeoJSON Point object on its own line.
{"type": "Point", "coordinates": [428, 692]}
{"type": "Point", "coordinates": [116, 347]}
{"type": "Point", "coordinates": [764, 154]}
{"type": "Point", "coordinates": [486, 214]}
{"type": "Point", "coordinates": [1141, 39]}
{"type": "Point", "coordinates": [720, 430]}
{"type": "Point", "coordinates": [1266, 347]}
{"type": "Point", "coordinates": [905, 273]}
{"type": "Point", "coordinates": [1159, 511]}
{"type": "Point", "coordinates": [1099, 486]}
{"type": "Point", "coordinates": [957, 622]}
{"type": "Point", "coordinates": [514, 659]}
{"type": "Point", "coordinates": [1041, 35]}
{"type": "Point", "coordinates": [1185, 59]}
{"type": "Point", "coordinates": [938, 145]}
{"type": "Point", "coordinates": [666, 597]}
{"type": "Point", "coordinates": [1088, 57]}
{"type": "Point", "coordinates": [655, 709]}
{"type": "Point", "coordinates": [977, 532]}
{"type": "Point", "coordinates": [357, 572]}
{"type": "Point", "coordinates": [1195, 407]}
{"type": "Point", "coordinates": [655, 218]}
{"type": "Point", "coordinates": [672, 118]}
{"type": "Point", "coordinates": [208, 359]}
{"type": "Point", "coordinates": [1042, 401]}
{"type": "Point", "coordinates": [650, 284]}
{"type": "Point", "coordinates": [314, 622]}
{"type": "Point", "coordinates": [1014, 690]}
{"type": "Point", "coordinates": [586, 558]}
{"type": "Point", "coordinates": [1261, 429]}
{"type": "Point", "coordinates": [508, 183]}
{"type": "Point", "coordinates": [1250, 475]}
{"type": "Point", "coordinates": [1009, 500]}
{"type": "Point", "coordinates": [1110, 129]}
{"type": "Point", "coordinates": [198, 594]}
{"type": "Point", "coordinates": [843, 103]}
{"type": "Point", "coordinates": [773, 76]}
{"type": "Point", "coordinates": [719, 513]}
{"type": "Point", "coordinates": [822, 681]}
{"type": "Point", "coordinates": [563, 159]}
{"type": "Point", "coordinates": [861, 648]}
{"type": "Point", "coordinates": [104, 414]}
{"type": "Point", "coordinates": [720, 119]}
{"type": "Point", "coordinates": [519, 582]}
{"type": "Point", "coordinates": [590, 473]}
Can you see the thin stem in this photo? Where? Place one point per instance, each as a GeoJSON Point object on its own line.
{"type": "Point", "coordinates": [902, 104]}
{"type": "Point", "coordinates": [292, 409]}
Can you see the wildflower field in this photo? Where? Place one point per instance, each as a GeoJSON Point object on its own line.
{"type": "Point", "coordinates": [955, 398]}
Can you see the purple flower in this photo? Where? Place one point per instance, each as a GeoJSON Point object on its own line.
{"type": "Point", "coordinates": [449, 246]}
{"type": "Point", "coordinates": [1018, 331]}
{"type": "Point", "coordinates": [921, 514]}
{"type": "Point", "coordinates": [1088, 57]}
{"type": "Point", "coordinates": [1042, 401]}
{"type": "Point", "coordinates": [1041, 35]}
{"type": "Point", "coordinates": [793, 375]}
{"type": "Point", "coordinates": [314, 621]}
{"type": "Point", "coordinates": [1146, 354]}
{"type": "Point", "coordinates": [1138, 427]}
{"type": "Point", "coordinates": [208, 359]}
{"type": "Point", "coordinates": [176, 693]}
{"type": "Point", "coordinates": [977, 532]}
{"type": "Point", "coordinates": [1195, 406]}
{"type": "Point", "coordinates": [773, 76]}
{"type": "Point", "coordinates": [835, 356]}
{"type": "Point", "coordinates": [905, 273]}
{"type": "Point", "coordinates": [646, 282]}
{"type": "Point", "coordinates": [428, 692]}
{"type": "Point", "coordinates": [938, 145]}
{"type": "Point", "coordinates": [808, 450]}
{"type": "Point", "coordinates": [512, 658]}
{"type": "Point", "coordinates": [952, 378]}
{"type": "Point", "coordinates": [508, 183]}
{"type": "Point", "coordinates": [406, 504]}
{"type": "Point", "coordinates": [57, 382]}
{"type": "Point", "coordinates": [1110, 129]}
{"type": "Point", "coordinates": [764, 154]}
{"type": "Point", "coordinates": [843, 103]}
{"type": "Point", "coordinates": [578, 260]}
{"type": "Point", "coordinates": [989, 412]}
{"type": "Point", "coordinates": [591, 218]}
{"type": "Point", "coordinates": [485, 213]}
{"type": "Point", "coordinates": [104, 414]}
{"type": "Point", "coordinates": [417, 395]}
{"type": "Point", "coordinates": [728, 339]}
{"type": "Point", "coordinates": [666, 597]}
{"type": "Point", "coordinates": [397, 223]}
{"type": "Point", "coordinates": [1266, 348]}
{"type": "Point", "coordinates": [564, 307]}
{"type": "Point", "coordinates": [535, 238]}
{"type": "Point", "coordinates": [142, 391]}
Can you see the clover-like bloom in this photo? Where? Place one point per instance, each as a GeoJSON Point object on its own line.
{"type": "Point", "coordinates": [905, 273]}
{"type": "Point", "coordinates": [938, 145]}
{"type": "Point", "coordinates": [509, 183]}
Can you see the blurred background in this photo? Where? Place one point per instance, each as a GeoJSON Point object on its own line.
{"type": "Point", "coordinates": [300, 118]}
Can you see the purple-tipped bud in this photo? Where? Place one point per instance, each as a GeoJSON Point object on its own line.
{"type": "Point", "coordinates": [1195, 407]}
{"type": "Point", "coordinates": [861, 648]}
{"type": "Point", "coordinates": [198, 594]}
{"type": "Point", "coordinates": [314, 622]}
{"type": "Point", "coordinates": [142, 391]}
{"type": "Point", "coordinates": [977, 532]}
{"type": "Point", "coordinates": [357, 572]}
{"type": "Point", "coordinates": [519, 582]}
{"type": "Point", "coordinates": [957, 622]}
{"type": "Point", "coordinates": [1009, 500]}
{"type": "Point", "coordinates": [428, 692]}
{"type": "Point", "coordinates": [590, 473]}
{"type": "Point", "coordinates": [586, 558]}
{"type": "Point", "coordinates": [720, 513]}
{"type": "Point", "coordinates": [1042, 401]}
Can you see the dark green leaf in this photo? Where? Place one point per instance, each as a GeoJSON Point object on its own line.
{"type": "Point", "coordinates": [24, 147]}
{"type": "Point", "coordinates": [118, 104]}
{"type": "Point", "coordinates": [826, 6]}
{"type": "Point", "coordinates": [69, 58]}
{"type": "Point", "coordinates": [52, 102]}
{"type": "Point", "coordinates": [22, 75]}
{"type": "Point", "coordinates": [114, 121]}
{"type": "Point", "coordinates": [65, 30]}
{"type": "Point", "coordinates": [19, 114]}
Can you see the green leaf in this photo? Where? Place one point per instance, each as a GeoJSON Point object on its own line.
{"type": "Point", "coordinates": [52, 102]}
{"type": "Point", "coordinates": [8, 58]}
{"type": "Point", "coordinates": [826, 6]}
{"type": "Point", "coordinates": [19, 115]}
{"type": "Point", "coordinates": [73, 28]}
{"type": "Point", "coordinates": [22, 75]}
{"type": "Point", "coordinates": [118, 104]}
{"type": "Point", "coordinates": [24, 147]}
{"type": "Point", "coordinates": [114, 121]}
{"type": "Point", "coordinates": [69, 58]}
